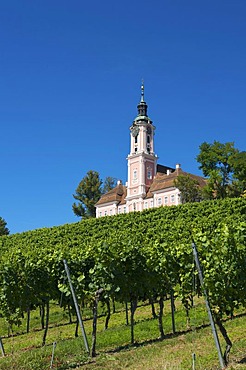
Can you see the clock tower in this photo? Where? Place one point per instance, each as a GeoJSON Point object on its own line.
{"type": "Point", "coordinates": [142, 158]}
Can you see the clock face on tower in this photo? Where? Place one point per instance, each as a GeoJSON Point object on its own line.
{"type": "Point", "coordinates": [135, 131]}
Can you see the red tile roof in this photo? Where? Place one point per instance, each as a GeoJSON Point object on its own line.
{"type": "Point", "coordinates": [117, 194]}
{"type": "Point", "coordinates": [161, 181]}
{"type": "Point", "coordinates": [164, 181]}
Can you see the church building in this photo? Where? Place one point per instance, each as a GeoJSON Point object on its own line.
{"type": "Point", "coordinates": [149, 184]}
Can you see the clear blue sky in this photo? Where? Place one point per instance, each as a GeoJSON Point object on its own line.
{"type": "Point", "coordinates": [70, 75]}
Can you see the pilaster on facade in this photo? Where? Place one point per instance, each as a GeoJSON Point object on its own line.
{"type": "Point", "coordinates": [149, 184]}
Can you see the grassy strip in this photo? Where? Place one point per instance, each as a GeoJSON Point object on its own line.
{"type": "Point", "coordinates": [114, 352]}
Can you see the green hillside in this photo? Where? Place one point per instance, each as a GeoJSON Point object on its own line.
{"type": "Point", "coordinates": [141, 256]}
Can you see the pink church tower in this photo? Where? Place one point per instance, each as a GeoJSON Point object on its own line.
{"type": "Point", "coordinates": [142, 158]}
{"type": "Point", "coordinates": [149, 184]}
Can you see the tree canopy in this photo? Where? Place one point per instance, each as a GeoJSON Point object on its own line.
{"type": "Point", "coordinates": [109, 183]}
{"type": "Point", "coordinates": [225, 167]}
{"type": "Point", "coordinates": [189, 189]}
{"type": "Point", "coordinates": [238, 163]}
{"type": "Point", "coordinates": [3, 227]}
{"type": "Point", "coordinates": [89, 191]}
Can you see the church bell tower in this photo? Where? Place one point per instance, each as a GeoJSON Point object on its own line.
{"type": "Point", "coordinates": [142, 158]}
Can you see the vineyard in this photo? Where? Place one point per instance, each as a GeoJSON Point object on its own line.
{"type": "Point", "coordinates": [141, 256]}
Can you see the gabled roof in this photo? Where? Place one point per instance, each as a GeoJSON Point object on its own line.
{"type": "Point", "coordinates": [117, 194]}
{"type": "Point", "coordinates": [161, 181]}
{"type": "Point", "coordinates": [164, 181]}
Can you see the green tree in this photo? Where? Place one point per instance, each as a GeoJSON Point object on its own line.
{"type": "Point", "coordinates": [238, 163]}
{"type": "Point", "coordinates": [216, 163]}
{"type": "Point", "coordinates": [87, 193]}
{"type": "Point", "coordinates": [3, 227]}
{"type": "Point", "coordinates": [189, 188]}
{"type": "Point", "coordinates": [109, 184]}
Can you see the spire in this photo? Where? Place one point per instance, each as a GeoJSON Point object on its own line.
{"type": "Point", "coordinates": [142, 91]}
{"type": "Point", "coordinates": [142, 106]}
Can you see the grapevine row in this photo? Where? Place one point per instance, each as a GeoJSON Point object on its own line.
{"type": "Point", "coordinates": [141, 255]}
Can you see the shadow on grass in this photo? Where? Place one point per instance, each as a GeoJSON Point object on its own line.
{"type": "Point", "coordinates": [172, 335]}
{"type": "Point", "coordinates": [242, 361]}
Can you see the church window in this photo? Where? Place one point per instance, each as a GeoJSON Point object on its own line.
{"type": "Point", "coordinates": [151, 203]}
{"type": "Point", "coordinates": [159, 202]}
{"type": "Point", "coordinates": [136, 139]}
{"type": "Point", "coordinates": [172, 198]}
{"type": "Point", "coordinates": [149, 174]}
{"type": "Point", "coordinates": [124, 209]}
{"type": "Point", "coordinates": [135, 174]}
{"type": "Point", "coordinates": [145, 205]}
{"type": "Point", "coordinates": [148, 139]}
{"type": "Point", "coordinates": [105, 213]}
{"type": "Point", "coordinates": [166, 200]}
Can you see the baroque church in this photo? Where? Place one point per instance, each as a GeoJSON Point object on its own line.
{"type": "Point", "coordinates": [149, 184]}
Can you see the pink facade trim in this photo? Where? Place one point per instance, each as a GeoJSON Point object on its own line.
{"type": "Point", "coordinates": [145, 187]}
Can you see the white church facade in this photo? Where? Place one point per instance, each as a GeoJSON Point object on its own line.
{"type": "Point", "coordinates": [149, 184]}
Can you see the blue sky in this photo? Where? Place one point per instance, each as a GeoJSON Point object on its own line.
{"type": "Point", "coordinates": [70, 76]}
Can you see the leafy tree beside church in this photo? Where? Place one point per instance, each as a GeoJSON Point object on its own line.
{"type": "Point", "coordinates": [89, 191]}
{"type": "Point", "coordinates": [87, 194]}
{"type": "Point", "coordinates": [189, 188]}
{"type": "Point", "coordinates": [225, 168]}
{"type": "Point", "coordinates": [3, 227]}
